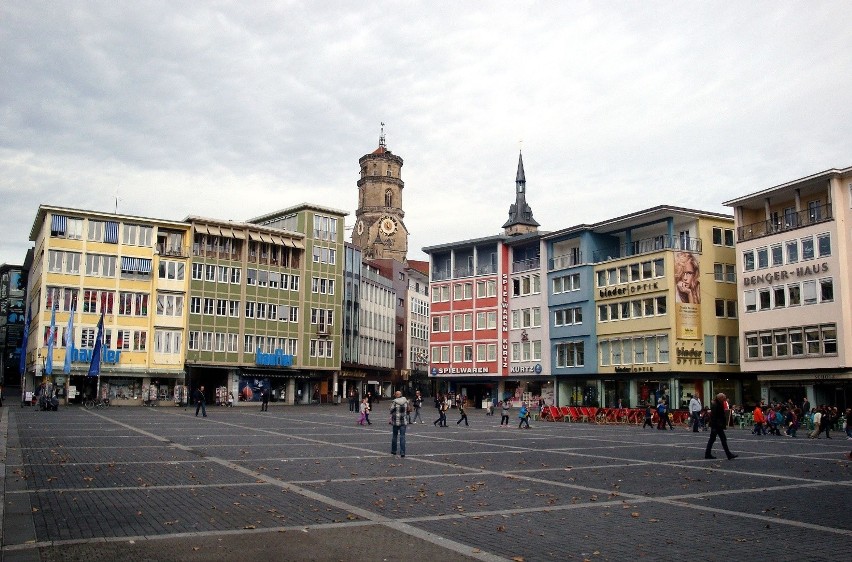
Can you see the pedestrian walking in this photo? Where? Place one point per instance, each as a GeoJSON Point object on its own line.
{"type": "Point", "coordinates": [718, 422]}
{"type": "Point", "coordinates": [367, 410]}
{"type": "Point", "coordinates": [400, 408]}
{"type": "Point", "coordinates": [759, 420]}
{"type": "Point", "coordinates": [198, 396]}
{"type": "Point", "coordinates": [353, 400]}
{"type": "Point", "coordinates": [462, 414]}
{"type": "Point", "coordinates": [362, 412]}
{"type": "Point", "coordinates": [524, 415]}
{"type": "Point", "coordinates": [649, 416]}
{"type": "Point", "coordinates": [418, 403]}
{"type": "Point", "coordinates": [443, 405]}
{"type": "Point", "coordinates": [817, 418]}
{"type": "Point", "coordinates": [504, 417]}
{"type": "Point", "coordinates": [695, 412]}
{"type": "Point", "coordinates": [661, 414]}
{"type": "Point", "coordinates": [264, 399]}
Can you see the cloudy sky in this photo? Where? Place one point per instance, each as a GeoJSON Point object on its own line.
{"type": "Point", "coordinates": [235, 109]}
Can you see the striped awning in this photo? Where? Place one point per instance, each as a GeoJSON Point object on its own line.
{"type": "Point", "coordinates": [111, 232]}
{"type": "Point", "coordinates": [227, 232]}
{"type": "Point", "coordinates": [136, 265]}
{"type": "Point", "coordinates": [239, 234]}
{"type": "Point", "coordinates": [58, 224]}
{"type": "Point", "coordinates": [255, 236]}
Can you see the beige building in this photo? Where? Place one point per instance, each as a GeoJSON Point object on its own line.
{"type": "Point", "coordinates": [793, 250]}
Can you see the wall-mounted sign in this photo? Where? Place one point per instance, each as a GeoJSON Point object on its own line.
{"type": "Point", "coordinates": [275, 359]}
{"type": "Point", "coordinates": [459, 370]}
{"type": "Point", "coordinates": [526, 369]}
{"type": "Point", "coordinates": [633, 369]}
{"type": "Point", "coordinates": [629, 290]}
{"type": "Point", "coordinates": [775, 276]}
{"type": "Point", "coordinates": [85, 356]}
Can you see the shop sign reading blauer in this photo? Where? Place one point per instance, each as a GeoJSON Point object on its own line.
{"type": "Point", "coordinates": [275, 359]}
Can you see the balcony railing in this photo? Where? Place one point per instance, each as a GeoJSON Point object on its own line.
{"type": "Point", "coordinates": [526, 265]}
{"type": "Point", "coordinates": [171, 251]}
{"type": "Point", "coordinates": [790, 221]}
{"type": "Point", "coordinates": [647, 246]}
{"type": "Point", "coordinates": [565, 261]}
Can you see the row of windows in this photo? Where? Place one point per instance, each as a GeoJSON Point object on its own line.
{"type": "Point", "coordinates": [463, 322]}
{"type": "Point", "coordinates": [567, 316]}
{"type": "Point", "coordinates": [640, 271]}
{"type": "Point", "coordinates": [723, 237]}
{"type": "Point", "coordinates": [464, 291]}
{"type": "Point", "coordinates": [101, 231]}
{"type": "Point", "coordinates": [231, 308]}
{"type": "Point", "coordinates": [324, 255]}
{"type": "Point", "coordinates": [321, 348]}
{"type": "Point", "coordinates": [523, 285]}
{"type": "Point", "coordinates": [721, 350]}
{"type": "Point", "coordinates": [228, 343]}
{"type": "Point", "coordinates": [570, 354]}
{"type": "Point", "coordinates": [640, 308]}
{"type": "Point", "coordinates": [97, 301]}
{"type": "Point", "coordinates": [322, 286]}
{"type": "Point", "coordinates": [726, 308]}
{"type": "Point", "coordinates": [640, 350]}
{"type": "Point", "coordinates": [788, 252]}
{"type": "Point", "coordinates": [566, 283]}
{"type": "Point", "coordinates": [806, 341]}
{"type": "Point", "coordinates": [526, 318]}
{"type": "Point", "coordinates": [526, 351]}
{"type": "Point", "coordinates": [725, 272]}
{"type": "Point", "coordinates": [126, 340]}
{"type": "Point", "coordinates": [791, 294]}
{"type": "Point", "coordinates": [464, 353]}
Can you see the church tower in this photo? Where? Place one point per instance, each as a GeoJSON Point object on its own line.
{"type": "Point", "coordinates": [521, 219]}
{"type": "Point", "coordinates": [379, 230]}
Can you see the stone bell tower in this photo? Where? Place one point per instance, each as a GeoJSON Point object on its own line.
{"type": "Point", "coordinates": [379, 230]}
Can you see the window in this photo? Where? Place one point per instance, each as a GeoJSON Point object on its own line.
{"type": "Point", "coordinates": [325, 228]}
{"type": "Point", "coordinates": [197, 271]}
{"type": "Point", "coordinates": [792, 251]}
{"type": "Point", "coordinates": [250, 308]}
{"type": "Point", "coordinates": [729, 237]}
{"type": "Point", "coordinates": [661, 305]}
{"type": "Point", "coordinates": [486, 288]}
{"type": "Point", "coordinates": [221, 307]}
{"type": "Point", "coordinates": [748, 260]}
{"type": "Point", "coordinates": [762, 258]}
{"type": "Point", "coordinates": [171, 270]}
{"type": "Point", "coordinates": [794, 294]}
{"type": "Point", "coordinates": [809, 292]}
{"type": "Point", "coordinates": [717, 236]}
{"type": "Point", "coordinates": [730, 273]}
{"type": "Point", "coordinates": [167, 341]}
{"type": "Point", "coordinates": [777, 255]}
{"type": "Point", "coordinates": [235, 275]}
{"type": "Point", "coordinates": [566, 283]}
{"type": "Point", "coordinates": [251, 277]}
{"type": "Point", "coordinates": [826, 290]}
{"type": "Point", "coordinates": [779, 296]}
{"type": "Point", "coordinates": [526, 285]}
{"type": "Point", "coordinates": [824, 245]}
{"type": "Point", "coordinates": [169, 304]}
{"type": "Point", "coordinates": [195, 305]}
{"type": "Point", "coordinates": [807, 248]}
{"type": "Point", "coordinates": [570, 354]}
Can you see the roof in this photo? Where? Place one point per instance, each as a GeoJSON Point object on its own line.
{"type": "Point", "coordinates": [44, 209]}
{"type": "Point", "coordinates": [462, 243]}
{"type": "Point", "coordinates": [296, 208]}
{"type": "Point", "coordinates": [825, 175]}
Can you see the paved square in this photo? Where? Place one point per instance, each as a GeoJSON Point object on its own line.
{"type": "Point", "coordinates": [308, 483]}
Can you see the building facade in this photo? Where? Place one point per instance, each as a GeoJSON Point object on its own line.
{"type": "Point", "coordinates": [132, 272]}
{"type": "Point", "coordinates": [379, 228]}
{"type": "Point", "coordinates": [13, 289]}
{"type": "Point", "coordinates": [643, 307]}
{"type": "Point", "coordinates": [793, 254]}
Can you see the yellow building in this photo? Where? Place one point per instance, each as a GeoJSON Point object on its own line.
{"type": "Point", "coordinates": [133, 271]}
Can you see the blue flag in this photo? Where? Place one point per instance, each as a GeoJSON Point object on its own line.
{"type": "Point", "coordinates": [51, 335]}
{"type": "Point", "coordinates": [69, 342]}
{"type": "Point", "coordinates": [23, 365]}
{"type": "Point", "coordinates": [95, 365]}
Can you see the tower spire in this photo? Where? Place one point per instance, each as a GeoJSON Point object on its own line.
{"type": "Point", "coordinates": [521, 218]}
{"type": "Point", "coordinates": [382, 137]}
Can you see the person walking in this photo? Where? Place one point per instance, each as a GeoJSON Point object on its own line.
{"type": "Point", "coordinates": [718, 422]}
{"type": "Point", "coordinates": [264, 399]}
{"type": "Point", "coordinates": [353, 400]}
{"type": "Point", "coordinates": [818, 415]}
{"type": "Point", "coordinates": [759, 421]}
{"type": "Point", "coordinates": [198, 396]}
{"type": "Point", "coordinates": [524, 415]}
{"type": "Point", "coordinates": [368, 408]}
{"type": "Point", "coordinates": [462, 414]}
{"type": "Point", "coordinates": [662, 415]}
{"type": "Point", "coordinates": [362, 412]}
{"type": "Point", "coordinates": [439, 405]}
{"type": "Point", "coordinates": [445, 407]}
{"type": "Point", "coordinates": [695, 412]}
{"type": "Point", "coordinates": [418, 403]}
{"type": "Point", "coordinates": [649, 417]}
{"type": "Point", "coordinates": [400, 408]}
{"type": "Point", "coordinates": [504, 413]}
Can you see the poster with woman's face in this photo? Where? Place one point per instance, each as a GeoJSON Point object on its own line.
{"type": "Point", "coordinates": [687, 296]}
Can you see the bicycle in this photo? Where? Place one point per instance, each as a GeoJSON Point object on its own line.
{"type": "Point", "coordinates": [90, 403]}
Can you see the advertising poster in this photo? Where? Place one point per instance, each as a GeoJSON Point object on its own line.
{"type": "Point", "coordinates": [687, 296]}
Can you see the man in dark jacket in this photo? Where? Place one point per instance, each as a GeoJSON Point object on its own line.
{"type": "Point", "coordinates": [718, 421]}
{"type": "Point", "coordinates": [198, 397]}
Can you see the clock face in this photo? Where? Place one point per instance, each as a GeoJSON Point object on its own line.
{"type": "Point", "coordinates": [387, 225]}
{"type": "Point", "coordinates": [360, 227]}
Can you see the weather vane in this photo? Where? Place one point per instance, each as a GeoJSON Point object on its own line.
{"type": "Point", "coordinates": [382, 136]}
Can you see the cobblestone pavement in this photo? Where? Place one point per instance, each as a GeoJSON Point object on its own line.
{"type": "Point", "coordinates": [308, 483]}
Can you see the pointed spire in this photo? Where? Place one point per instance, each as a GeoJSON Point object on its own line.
{"type": "Point", "coordinates": [520, 214]}
{"type": "Point", "coordinates": [520, 177]}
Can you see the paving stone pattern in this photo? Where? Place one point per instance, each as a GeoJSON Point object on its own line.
{"type": "Point", "coordinates": [308, 483]}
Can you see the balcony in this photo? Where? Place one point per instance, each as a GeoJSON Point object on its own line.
{"type": "Point", "coordinates": [565, 261]}
{"type": "Point", "coordinates": [648, 246]}
{"type": "Point", "coordinates": [526, 265]}
{"type": "Point", "coordinates": [791, 221]}
{"type": "Point", "coordinates": [171, 251]}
